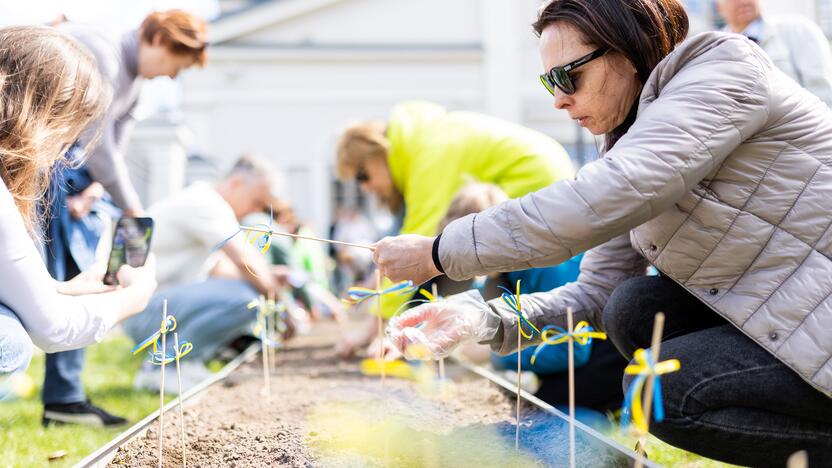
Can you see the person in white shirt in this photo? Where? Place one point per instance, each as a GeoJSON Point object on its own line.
{"type": "Point", "coordinates": [796, 45]}
{"type": "Point", "coordinates": [207, 289]}
{"type": "Point", "coordinates": [50, 91]}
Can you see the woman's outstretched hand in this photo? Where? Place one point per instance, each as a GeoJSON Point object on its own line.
{"type": "Point", "coordinates": [406, 257]}
{"type": "Point", "coordinates": [433, 330]}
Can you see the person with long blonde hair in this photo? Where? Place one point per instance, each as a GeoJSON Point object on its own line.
{"type": "Point", "coordinates": [50, 91]}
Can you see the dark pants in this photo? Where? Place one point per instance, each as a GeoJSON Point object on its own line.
{"type": "Point", "coordinates": [597, 383]}
{"type": "Point", "coordinates": [731, 400]}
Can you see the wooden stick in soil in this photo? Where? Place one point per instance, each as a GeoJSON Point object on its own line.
{"type": "Point", "coordinates": [655, 345]}
{"type": "Point", "coordinates": [181, 411]}
{"type": "Point", "coordinates": [380, 324]}
{"type": "Point", "coordinates": [435, 292]}
{"type": "Point", "coordinates": [517, 412]}
{"type": "Point", "coordinates": [272, 329]}
{"type": "Point", "coordinates": [264, 347]}
{"type": "Point", "coordinates": [162, 385]}
{"type": "Point", "coordinates": [571, 363]}
{"type": "Point", "coordinates": [298, 236]}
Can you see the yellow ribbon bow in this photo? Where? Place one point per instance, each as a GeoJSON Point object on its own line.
{"type": "Point", "coordinates": [551, 335]}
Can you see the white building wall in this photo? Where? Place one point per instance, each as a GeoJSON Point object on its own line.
{"type": "Point", "coordinates": [373, 21]}
{"type": "Point", "coordinates": [285, 88]}
{"type": "Point", "coordinates": [285, 91]}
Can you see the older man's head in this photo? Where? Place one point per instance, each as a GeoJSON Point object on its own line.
{"type": "Point", "coordinates": [248, 186]}
{"type": "Point", "coordinates": [738, 14]}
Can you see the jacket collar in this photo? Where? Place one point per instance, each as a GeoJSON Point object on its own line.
{"type": "Point", "coordinates": [765, 30]}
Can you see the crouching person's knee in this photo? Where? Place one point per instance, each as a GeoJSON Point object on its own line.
{"type": "Point", "coordinates": [15, 344]}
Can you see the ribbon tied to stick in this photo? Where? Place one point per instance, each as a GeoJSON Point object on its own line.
{"type": "Point", "coordinates": [551, 335]}
{"type": "Point", "coordinates": [357, 295]}
{"type": "Point", "coordinates": [268, 309]}
{"type": "Point", "coordinates": [644, 367]}
{"type": "Point", "coordinates": [513, 301]}
{"type": "Point", "coordinates": [158, 356]}
{"type": "Point", "coordinates": [168, 325]}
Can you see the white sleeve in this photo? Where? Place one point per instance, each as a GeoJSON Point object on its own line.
{"type": "Point", "coordinates": [55, 322]}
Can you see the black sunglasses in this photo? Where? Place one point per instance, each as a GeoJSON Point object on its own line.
{"type": "Point", "coordinates": [361, 176]}
{"type": "Point", "coordinates": [559, 77]}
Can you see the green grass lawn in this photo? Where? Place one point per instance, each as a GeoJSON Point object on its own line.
{"type": "Point", "coordinates": [108, 379]}
{"type": "Point", "coordinates": [668, 455]}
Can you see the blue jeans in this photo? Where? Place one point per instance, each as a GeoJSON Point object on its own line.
{"type": "Point", "coordinates": [15, 344]}
{"type": "Point", "coordinates": [62, 379]}
{"type": "Point", "coordinates": [70, 249]}
{"type": "Point", "coordinates": [209, 314]}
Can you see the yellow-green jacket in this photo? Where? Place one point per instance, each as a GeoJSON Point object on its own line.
{"type": "Point", "coordinates": [434, 153]}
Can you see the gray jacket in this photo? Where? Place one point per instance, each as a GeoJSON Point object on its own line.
{"type": "Point", "coordinates": [118, 62]}
{"type": "Point", "coordinates": [724, 183]}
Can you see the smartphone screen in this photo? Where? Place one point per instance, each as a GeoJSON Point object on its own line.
{"type": "Point", "coordinates": [131, 245]}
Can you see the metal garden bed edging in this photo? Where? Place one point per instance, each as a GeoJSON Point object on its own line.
{"type": "Point", "coordinates": [103, 456]}
{"type": "Point", "coordinates": [512, 387]}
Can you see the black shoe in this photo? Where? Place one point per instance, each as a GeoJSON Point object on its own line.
{"type": "Point", "coordinates": [79, 413]}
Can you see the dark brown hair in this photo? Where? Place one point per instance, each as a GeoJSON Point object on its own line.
{"type": "Point", "coordinates": [643, 31]}
{"type": "Point", "coordinates": [180, 32]}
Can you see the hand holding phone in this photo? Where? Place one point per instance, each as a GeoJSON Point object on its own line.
{"type": "Point", "coordinates": [131, 246]}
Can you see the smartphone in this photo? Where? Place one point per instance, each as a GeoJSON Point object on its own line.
{"type": "Point", "coordinates": [131, 245]}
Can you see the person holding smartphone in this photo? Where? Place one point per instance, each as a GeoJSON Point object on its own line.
{"type": "Point", "coordinates": [51, 91]}
{"type": "Point", "coordinates": [165, 44]}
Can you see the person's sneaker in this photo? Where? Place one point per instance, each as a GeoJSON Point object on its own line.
{"type": "Point", "coordinates": [79, 413]}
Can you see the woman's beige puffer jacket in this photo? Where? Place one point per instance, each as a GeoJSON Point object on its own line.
{"type": "Point", "coordinates": [724, 183]}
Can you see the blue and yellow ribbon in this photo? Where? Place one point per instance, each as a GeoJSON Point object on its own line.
{"type": "Point", "coordinates": [268, 309]}
{"type": "Point", "coordinates": [357, 295]}
{"type": "Point", "coordinates": [644, 367]}
{"type": "Point", "coordinates": [429, 295]}
{"type": "Point", "coordinates": [259, 240]}
{"type": "Point", "coordinates": [168, 325]}
{"type": "Point", "coordinates": [157, 356]}
{"type": "Point", "coordinates": [513, 301]}
{"type": "Point", "coordinates": [552, 335]}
